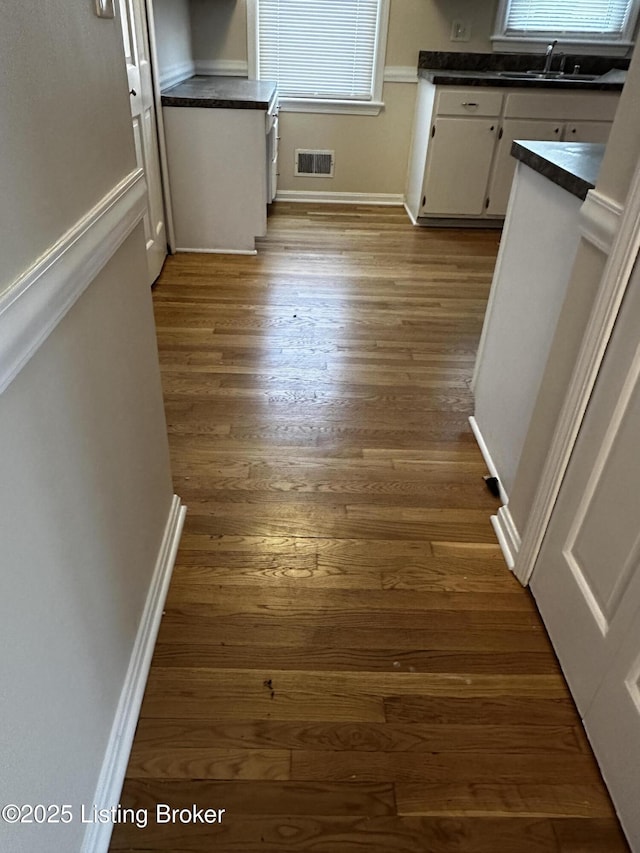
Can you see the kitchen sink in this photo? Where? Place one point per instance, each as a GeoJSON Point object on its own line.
{"type": "Point", "coordinates": [546, 75]}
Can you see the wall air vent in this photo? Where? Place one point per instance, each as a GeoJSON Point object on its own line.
{"type": "Point", "coordinates": [314, 164]}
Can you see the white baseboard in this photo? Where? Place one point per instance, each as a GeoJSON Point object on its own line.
{"type": "Point", "coordinates": [507, 534]}
{"type": "Point", "coordinates": [222, 67]}
{"type": "Point", "coordinates": [414, 221]}
{"type": "Point", "coordinates": [176, 73]}
{"type": "Point", "coordinates": [503, 524]}
{"type": "Point", "coordinates": [98, 835]}
{"type": "Point", "coordinates": [486, 455]}
{"type": "Point", "coordinates": [322, 197]}
{"type": "Point", "coordinates": [36, 302]}
{"type": "Point", "coordinates": [218, 251]}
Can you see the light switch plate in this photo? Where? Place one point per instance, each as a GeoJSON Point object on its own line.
{"type": "Point", "coordinates": [460, 30]}
{"type": "Point", "coordinates": [104, 9]}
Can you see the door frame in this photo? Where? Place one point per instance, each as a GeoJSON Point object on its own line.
{"type": "Point", "coordinates": [162, 147]}
{"type": "Point", "coordinates": [616, 231]}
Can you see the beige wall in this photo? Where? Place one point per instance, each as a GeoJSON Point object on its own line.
{"type": "Point", "coordinates": [85, 488]}
{"type": "Point", "coordinates": [64, 138]}
{"type": "Point", "coordinates": [371, 152]}
{"type": "Point", "coordinates": [84, 497]}
{"type": "Point", "coordinates": [620, 161]}
{"type": "Point", "coordinates": [173, 35]}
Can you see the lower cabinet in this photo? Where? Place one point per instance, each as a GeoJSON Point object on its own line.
{"type": "Point", "coordinates": [504, 165]}
{"type": "Point", "coordinates": [469, 144]}
{"type": "Point", "coordinates": [461, 164]}
{"type": "Point", "coordinates": [218, 163]}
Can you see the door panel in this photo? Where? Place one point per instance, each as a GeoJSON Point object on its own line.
{"type": "Point", "coordinates": [587, 577]}
{"type": "Point", "coordinates": [458, 166]}
{"type": "Point", "coordinates": [615, 709]}
{"type": "Point", "coordinates": [504, 164]}
{"type": "Point", "coordinates": [136, 49]}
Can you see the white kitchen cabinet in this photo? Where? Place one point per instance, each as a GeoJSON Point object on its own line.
{"type": "Point", "coordinates": [469, 144]}
{"type": "Point", "coordinates": [218, 177]}
{"type": "Point", "coordinates": [461, 165]}
{"type": "Point", "coordinates": [504, 165]}
{"type": "Point", "coordinates": [587, 131]}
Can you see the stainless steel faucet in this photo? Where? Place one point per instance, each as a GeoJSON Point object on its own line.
{"type": "Point", "coordinates": [549, 57]}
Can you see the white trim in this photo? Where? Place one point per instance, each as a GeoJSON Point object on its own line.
{"type": "Point", "coordinates": [414, 221]}
{"type": "Point", "coordinates": [219, 251]}
{"type": "Point", "coordinates": [162, 143]}
{"type": "Point", "coordinates": [503, 523]}
{"type": "Point", "coordinates": [599, 329]}
{"type": "Point", "coordinates": [176, 73]}
{"type": "Point", "coordinates": [507, 535]}
{"type": "Point", "coordinates": [98, 835]}
{"type": "Point", "coordinates": [310, 105]}
{"type": "Point", "coordinates": [486, 455]}
{"type": "Point", "coordinates": [34, 304]}
{"type": "Point", "coordinates": [600, 219]}
{"type": "Point", "coordinates": [222, 67]}
{"type": "Point", "coordinates": [400, 74]}
{"type": "Point", "coordinates": [320, 197]}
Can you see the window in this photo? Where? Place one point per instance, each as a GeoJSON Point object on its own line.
{"type": "Point", "coordinates": [594, 22]}
{"type": "Point", "coordinates": [326, 55]}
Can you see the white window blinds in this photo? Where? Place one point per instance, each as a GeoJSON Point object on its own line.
{"type": "Point", "coordinates": [323, 49]}
{"type": "Point", "coordinates": [589, 19]}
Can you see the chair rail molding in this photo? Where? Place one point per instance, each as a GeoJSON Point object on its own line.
{"type": "Point", "coordinates": [625, 246]}
{"type": "Point", "coordinates": [599, 220]}
{"type": "Point", "coordinates": [34, 304]}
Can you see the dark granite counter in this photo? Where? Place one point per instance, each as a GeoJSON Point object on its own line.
{"type": "Point", "coordinates": [234, 93]}
{"type": "Point", "coordinates": [574, 166]}
{"type": "Point", "coordinates": [483, 69]}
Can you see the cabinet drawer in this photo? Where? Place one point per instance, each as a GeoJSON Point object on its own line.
{"type": "Point", "coordinates": [469, 102]}
{"type": "Point", "coordinates": [571, 106]}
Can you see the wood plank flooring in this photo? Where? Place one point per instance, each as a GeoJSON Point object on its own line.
{"type": "Point", "coordinates": [345, 663]}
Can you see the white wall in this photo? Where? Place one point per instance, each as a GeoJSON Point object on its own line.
{"type": "Point", "coordinates": [85, 488]}
{"type": "Point", "coordinates": [371, 151]}
{"type": "Point", "coordinates": [173, 39]}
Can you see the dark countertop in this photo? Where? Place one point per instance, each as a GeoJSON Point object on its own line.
{"type": "Point", "coordinates": [482, 69]}
{"type": "Point", "coordinates": [574, 166]}
{"type": "Point", "coordinates": [234, 93]}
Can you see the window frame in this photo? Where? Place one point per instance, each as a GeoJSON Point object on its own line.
{"type": "Point", "coordinates": [327, 105]}
{"type": "Point", "coordinates": [534, 43]}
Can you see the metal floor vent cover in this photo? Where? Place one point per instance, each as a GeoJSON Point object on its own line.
{"type": "Point", "coordinates": [315, 164]}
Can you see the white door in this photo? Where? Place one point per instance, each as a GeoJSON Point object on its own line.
{"type": "Point", "coordinates": [504, 164]}
{"type": "Point", "coordinates": [458, 166]}
{"type": "Point", "coordinates": [136, 48]}
{"type": "Point", "coordinates": [586, 580]}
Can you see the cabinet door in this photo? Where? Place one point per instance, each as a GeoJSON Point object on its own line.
{"type": "Point", "coordinates": [458, 164]}
{"type": "Point", "coordinates": [504, 164]}
{"type": "Point", "coordinates": [587, 131]}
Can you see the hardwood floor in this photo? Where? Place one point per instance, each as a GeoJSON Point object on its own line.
{"type": "Point", "coordinates": [345, 662]}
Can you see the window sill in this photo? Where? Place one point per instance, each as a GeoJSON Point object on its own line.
{"type": "Point", "coordinates": [309, 105]}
